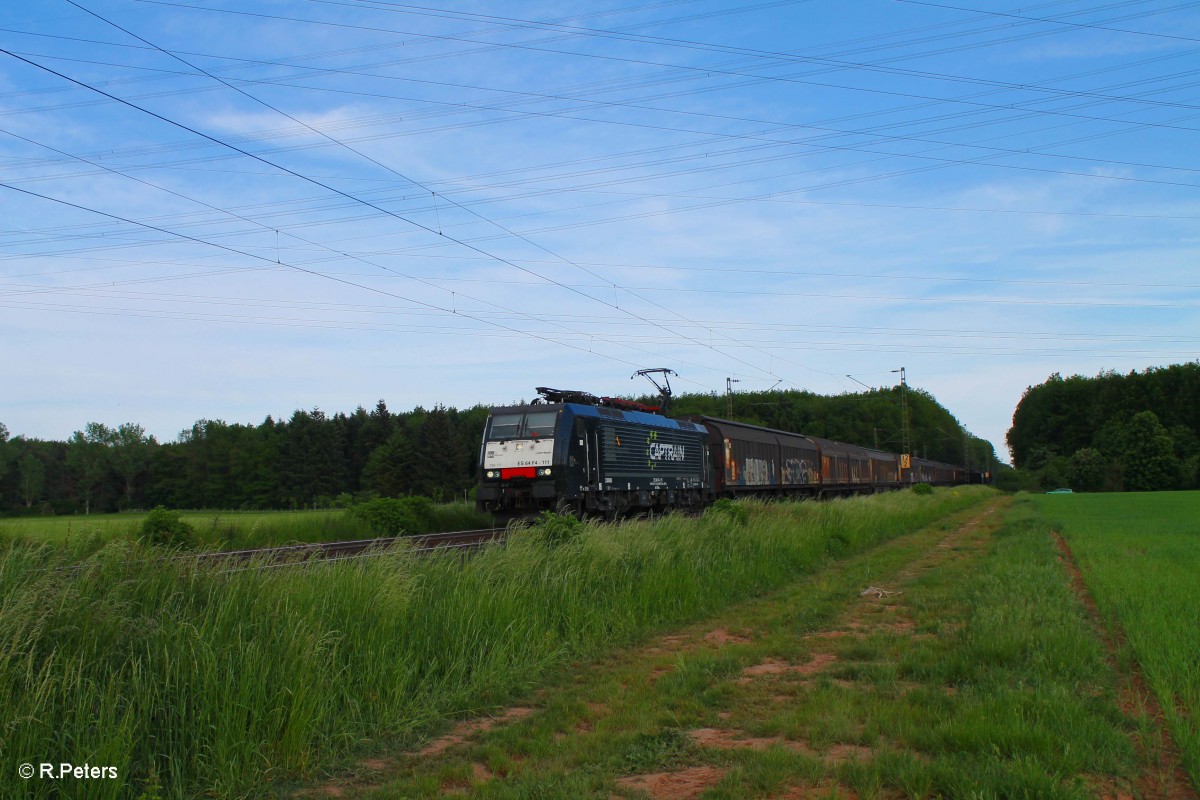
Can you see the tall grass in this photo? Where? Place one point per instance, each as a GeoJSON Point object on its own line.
{"type": "Point", "coordinates": [1140, 557]}
{"type": "Point", "coordinates": [228, 530]}
{"type": "Point", "coordinates": [218, 683]}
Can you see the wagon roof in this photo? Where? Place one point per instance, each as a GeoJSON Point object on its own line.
{"type": "Point", "coordinates": [754, 433]}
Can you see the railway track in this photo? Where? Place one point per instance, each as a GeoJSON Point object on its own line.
{"type": "Point", "coordinates": [300, 554]}
{"type": "Point", "coordinates": [356, 548]}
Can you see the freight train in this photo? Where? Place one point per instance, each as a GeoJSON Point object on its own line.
{"type": "Point", "coordinates": [573, 452]}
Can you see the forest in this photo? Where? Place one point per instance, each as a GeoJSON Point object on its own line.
{"type": "Point", "coordinates": [316, 460]}
{"type": "Point", "coordinates": [1135, 432]}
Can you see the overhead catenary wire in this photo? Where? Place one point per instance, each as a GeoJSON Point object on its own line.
{"type": "Point", "coordinates": [453, 310]}
{"type": "Point", "coordinates": [678, 187]}
{"type": "Point", "coordinates": [393, 295]}
{"type": "Point", "coordinates": [405, 177]}
{"type": "Point", "coordinates": [710, 70]}
{"type": "Point", "coordinates": [349, 196]}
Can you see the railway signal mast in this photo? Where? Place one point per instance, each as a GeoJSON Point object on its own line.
{"type": "Point", "coordinates": [906, 452]}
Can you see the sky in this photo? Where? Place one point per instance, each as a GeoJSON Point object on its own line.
{"type": "Point", "coordinates": [226, 210]}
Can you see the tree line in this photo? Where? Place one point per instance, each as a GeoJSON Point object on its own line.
{"type": "Point", "coordinates": [310, 460]}
{"type": "Point", "coordinates": [1113, 432]}
{"type": "Point", "coordinates": [319, 460]}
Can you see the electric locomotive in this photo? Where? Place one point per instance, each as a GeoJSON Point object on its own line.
{"type": "Point", "coordinates": [576, 453]}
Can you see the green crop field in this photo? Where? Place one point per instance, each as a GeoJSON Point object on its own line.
{"type": "Point", "coordinates": [1140, 557]}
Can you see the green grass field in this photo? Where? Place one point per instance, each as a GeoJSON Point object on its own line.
{"type": "Point", "coordinates": [223, 529]}
{"type": "Point", "coordinates": [1140, 557]}
{"type": "Point", "coordinates": [202, 682]}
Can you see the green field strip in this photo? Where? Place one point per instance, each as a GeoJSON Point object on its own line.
{"type": "Point", "coordinates": [1140, 558]}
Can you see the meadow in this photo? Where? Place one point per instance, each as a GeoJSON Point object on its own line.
{"type": "Point", "coordinates": [976, 675]}
{"type": "Point", "coordinates": [193, 681]}
{"type": "Point", "coordinates": [1140, 557]}
{"type": "Point", "coordinates": [227, 530]}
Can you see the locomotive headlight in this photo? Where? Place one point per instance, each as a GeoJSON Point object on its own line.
{"type": "Point", "coordinates": [491, 473]}
{"type": "Point", "coordinates": [545, 471]}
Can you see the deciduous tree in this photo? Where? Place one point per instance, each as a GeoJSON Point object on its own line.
{"type": "Point", "coordinates": [1149, 460]}
{"type": "Point", "coordinates": [32, 478]}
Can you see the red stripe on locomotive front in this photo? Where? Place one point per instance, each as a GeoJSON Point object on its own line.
{"type": "Point", "coordinates": [517, 472]}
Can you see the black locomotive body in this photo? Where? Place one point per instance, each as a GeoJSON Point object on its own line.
{"type": "Point", "coordinates": [582, 454]}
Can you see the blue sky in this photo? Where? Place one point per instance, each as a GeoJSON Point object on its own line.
{"type": "Point", "coordinates": [232, 209]}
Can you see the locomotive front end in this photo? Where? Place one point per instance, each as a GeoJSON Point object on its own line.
{"type": "Point", "coordinates": [517, 466]}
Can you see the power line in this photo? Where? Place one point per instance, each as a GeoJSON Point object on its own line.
{"type": "Point", "coordinates": [342, 193]}
{"type": "Point", "coordinates": [388, 168]}
{"type": "Point", "coordinates": [1048, 21]}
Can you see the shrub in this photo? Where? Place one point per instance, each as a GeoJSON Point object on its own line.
{"type": "Point", "coordinates": [737, 513]}
{"type": "Point", "coordinates": [922, 488]}
{"type": "Point", "coordinates": [396, 517]}
{"type": "Point", "coordinates": [167, 529]}
{"type": "Point", "coordinates": [556, 529]}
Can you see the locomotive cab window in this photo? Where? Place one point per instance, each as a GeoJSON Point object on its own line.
{"type": "Point", "coordinates": [534, 425]}
{"type": "Point", "coordinates": [540, 423]}
{"type": "Point", "coordinates": [506, 426]}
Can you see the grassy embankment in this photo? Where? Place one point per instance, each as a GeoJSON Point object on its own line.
{"type": "Point", "coordinates": [978, 676]}
{"type": "Point", "coordinates": [227, 530]}
{"type": "Point", "coordinates": [1140, 557]}
{"type": "Point", "coordinates": [219, 683]}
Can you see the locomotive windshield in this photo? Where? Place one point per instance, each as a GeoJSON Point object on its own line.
{"type": "Point", "coordinates": [540, 423]}
{"type": "Point", "coordinates": [506, 426]}
{"type": "Point", "coordinates": [534, 425]}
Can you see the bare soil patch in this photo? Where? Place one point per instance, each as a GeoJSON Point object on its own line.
{"type": "Point", "coordinates": [773, 666]}
{"type": "Point", "coordinates": [681, 784]}
{"type": "Point", "coordinates": [721, 637]}
{"type": "Point", "coordinates": [726, 739]}
{"type": "Point", "coordinates": [668, 644]}
{"type": "Point", "coordinates": [465, 730]}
